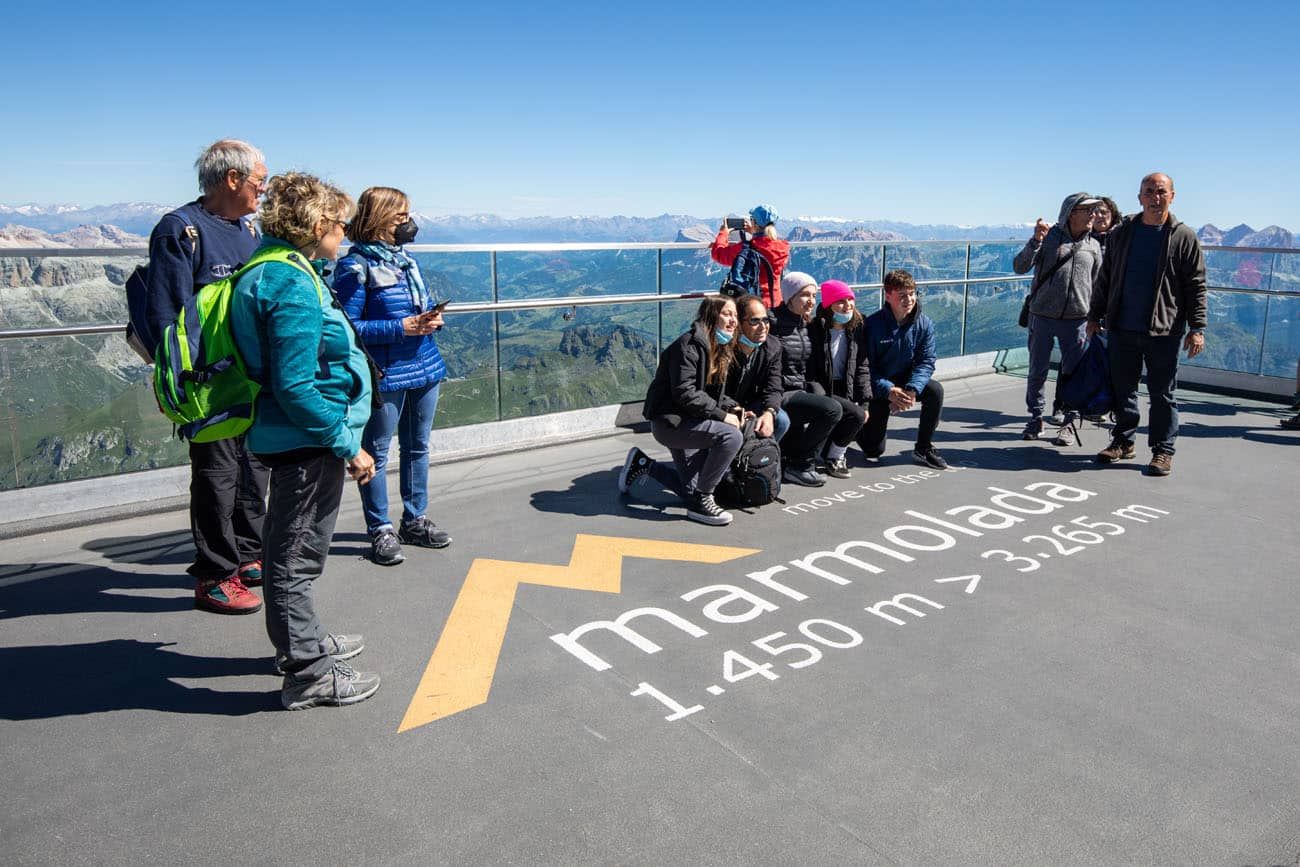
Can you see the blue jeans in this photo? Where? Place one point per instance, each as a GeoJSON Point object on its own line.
{"type": "Point", "coordinates": [410, 412]}
{"type": "Point", "coordinates": [1071, 334]}
{"type": "Point", "coordinates": [1129, 350]}
{"type": "Point", "coordinates": [780, 424]}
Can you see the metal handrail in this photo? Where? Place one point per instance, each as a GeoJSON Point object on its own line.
{"type": "Point", "coordinates": [504, 306]}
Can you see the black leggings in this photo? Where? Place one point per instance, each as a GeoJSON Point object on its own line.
{"type": "Point", "coordinates": [872, 435]}
{"type": "Point", "coordinates": [851, 416]}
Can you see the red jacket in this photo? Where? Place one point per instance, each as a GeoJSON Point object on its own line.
{"type": "Point", "coordinates": [774, 250]}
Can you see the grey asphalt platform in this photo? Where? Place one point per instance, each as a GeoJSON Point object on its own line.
{"type": "Point", "coordinates": [1119, 685]}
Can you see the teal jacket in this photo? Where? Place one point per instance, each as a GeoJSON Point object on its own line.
{"type": "Point", "coordinates": [299, 346]}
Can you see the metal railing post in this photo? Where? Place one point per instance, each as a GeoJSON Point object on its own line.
{"type": "Point", "coordinates": [496, 337]}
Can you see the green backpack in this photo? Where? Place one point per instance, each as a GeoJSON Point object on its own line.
{"type": "Point", "coordinates": [199, 378]}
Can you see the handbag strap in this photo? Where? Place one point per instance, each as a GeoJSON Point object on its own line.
{"type": "Point", "coordinates": [1048, 276]}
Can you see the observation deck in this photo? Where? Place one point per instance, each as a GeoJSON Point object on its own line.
{"type": "Point", "coordinates": [1029, 658]}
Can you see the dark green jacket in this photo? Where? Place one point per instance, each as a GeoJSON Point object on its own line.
{"type": "Point", "coordinates": [1180, 279]}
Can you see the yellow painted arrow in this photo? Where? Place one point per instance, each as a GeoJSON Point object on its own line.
{"type": "Point", "coordinates": [459, 674]}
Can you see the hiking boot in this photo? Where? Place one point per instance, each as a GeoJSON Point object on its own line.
{"type": "Point", "coordinates": [250, 573]}
{"type": "Point", "coordinates": [1033, 429]}
{"type": "Point", "coordinates": [837, 468]}
{"type": "Point", "coordinates": [704, 509]}
{"type": "Point", "coordinates": [635, 467]}
{"type": "Point", "coordinates": [1161, 465]}
{"type": "Point", "coordinates": [929, 457]}
{"type": "Point", "coordinates": [341, 685]}
{"type": "Point", "coordinates": [806, 476]}
{"type": "Point", "coordinates": [1118, 450]}
{"type": "Point", "coordinates": [424, 533]}
{"type": "Point", "coordinates": [385, 549]}
{"type": "Point", "coordinates": [337, 646]}
{"type": "Point", "coordinates": [226, 596]}
{"type": "Point", "coordinates": [1292, 423]}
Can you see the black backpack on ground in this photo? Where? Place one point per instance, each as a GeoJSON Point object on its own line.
{"type": "Point", "coordinates": [1086, 391]}
{"type": "Point", "coordinates": [743, 278]}
{"type": "Point", "coordinates": [754, 478]}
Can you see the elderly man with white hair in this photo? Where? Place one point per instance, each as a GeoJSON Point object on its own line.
{"type": "Point", "coordinates": [197, 244]}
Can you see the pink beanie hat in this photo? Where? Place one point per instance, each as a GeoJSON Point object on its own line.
{"type": "Point", "coordinates": [835, 290]}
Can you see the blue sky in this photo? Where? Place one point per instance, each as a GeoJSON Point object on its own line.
{"type": "Point", "coordinates": [924, 112]}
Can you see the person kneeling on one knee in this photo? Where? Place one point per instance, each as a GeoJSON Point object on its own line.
{"type": "Point", "coordinates": [691, 414]}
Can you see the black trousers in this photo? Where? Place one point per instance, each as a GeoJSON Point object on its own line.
{"type": "Point", "coordinates": [872, 435]}
{"type": "Point", "coordinates": [812, 418]}
{"type": "Point", "coordinates": [851, 418]}
{"type": "Point", "coordinates": [227, 507]}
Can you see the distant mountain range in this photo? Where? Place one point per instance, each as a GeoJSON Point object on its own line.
{"type": "Point", "coordinates": [128, 225]}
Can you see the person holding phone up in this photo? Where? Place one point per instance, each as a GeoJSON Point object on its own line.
{"type": "Point", "coordinates": [383, 293]}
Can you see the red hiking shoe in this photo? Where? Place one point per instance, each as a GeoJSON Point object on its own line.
{"type": "Point", "coordinates": [250, 573]}
{"type": "Point", "coordinates": [226, 596]}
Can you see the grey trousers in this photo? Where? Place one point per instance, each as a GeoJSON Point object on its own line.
{"type": "Point", "coordinates": [702, 449]}
{"type": "Point", "coordinates": [1071, 334]}
{"type": "Point", "coordinates": [300, 516]}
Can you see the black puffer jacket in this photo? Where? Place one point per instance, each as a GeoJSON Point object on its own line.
{"type": "Point", "coordinates": [857, 372]}
{"type": "Point", "coordinates": [678, 390]}
{"type": "Point", "coordinates": [755, 382]}
{"type": "Point", "coordinates": [796, 350]}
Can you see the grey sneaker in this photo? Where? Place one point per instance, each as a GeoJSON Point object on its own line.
{"type": "Point", "coordinates": [704, 508]}
{"type": "Point", "coordinates": [385, 549]}
{"type": "Point", "coordinates": [635, 466]}
{"type": "Point", "coordinates": [337, 646]}
{"type": "Point", "coordinates": [838, 468]}
{"type": "Point", "coordinates": [806, 477]}
{"type": "Point", "coordinates": [339, 686]}
{"type": "Point", "coordinates": [424, 533]}
{"type": "Point", "coordinates": [929, 457]}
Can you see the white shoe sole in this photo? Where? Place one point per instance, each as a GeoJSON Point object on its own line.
{"type": "Point", "coordinates": [712, 520]}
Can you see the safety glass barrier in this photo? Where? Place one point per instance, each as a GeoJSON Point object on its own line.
{"type": "Point", "coordinates": [78, 406]}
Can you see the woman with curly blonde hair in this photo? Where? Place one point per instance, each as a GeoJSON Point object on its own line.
{"type": "Point", "coordinates": [307, 427]}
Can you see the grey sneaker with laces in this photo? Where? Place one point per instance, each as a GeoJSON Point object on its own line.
{"type": "Point", "coordinates": [424, 533]}
{"type": "Point", "coordinates": [385, 549]}
{"type": "Point", "coordinates": [838, 468]}
{"type": "Point", "coordinates": [337, 646]}
{"type": "Point", "coordinates": [341, 685]}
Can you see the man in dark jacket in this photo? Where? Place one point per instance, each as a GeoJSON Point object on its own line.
{"type": "Point", "coordinates": [1150, 292]}
{"type": "Point", "coordinates": [901, 356]}
{"type": "Point", "coordinates": [197, 244]}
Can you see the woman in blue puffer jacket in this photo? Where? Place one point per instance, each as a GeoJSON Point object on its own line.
{"type": "Point", "coordinates": [383, 293]}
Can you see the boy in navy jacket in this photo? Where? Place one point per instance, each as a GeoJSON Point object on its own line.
{"type": "Point", "coordinates": [900, 352]}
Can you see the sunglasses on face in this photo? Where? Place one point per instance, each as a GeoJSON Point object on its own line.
{"type": "Point", "coordinates": [759, 320]}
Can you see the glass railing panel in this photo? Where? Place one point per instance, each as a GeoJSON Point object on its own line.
{"type": "Point", "coordinates": [1282, 336]}
{"type": "Point", "coordinates": [603, 355]}
{"type": "Point", "coordinates": [1230, 270]}
{"type": "Point", "coordinates": [928, 261]}
{"type": "Point", "coordinates": [8, 449]}
{"type": "Point", "coordinates": [677, 317]}
{"type": "Point", "coordinates": [80, 407]}
{"type": "Point", "coordinates": [1285, 273]}
{"type": "Point", "coordinates": [1234, 332]}
{"type": "Point", "coordinates": [564, 359]}
{"type": "Point", "coordinates": [992, 310]}
{"type": "Point", "coordinates": [690, 270]}
{"type": "Point", "coordinates": [945, 306]}
{"type": "Point", "coordinates": [994, 259]}
{"type": "Point", "coordinates": [559, 273]}
{"type": "Point", "coordinates": [468, 343]}
{"type": "Point", "coordinates": [851, 263]}
{"type": "Point", "coordinates": [47, 292]}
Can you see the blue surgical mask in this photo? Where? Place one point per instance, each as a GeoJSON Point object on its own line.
{"type": "Point", "coordinates": [842, 318]}
{"type": "Point", "coordinates": [721, 336]}
{"type": "Point", "coordinates": [752, 344]}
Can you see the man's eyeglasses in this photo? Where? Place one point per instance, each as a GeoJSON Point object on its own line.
{"type": "Point", "coordinates": [756, 321]}
{"type": "Point", "coordinates": [258, 184]}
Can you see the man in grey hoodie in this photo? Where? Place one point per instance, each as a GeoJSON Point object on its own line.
{"type": "Point", "coordinates": [1066, 260]}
